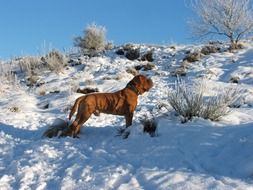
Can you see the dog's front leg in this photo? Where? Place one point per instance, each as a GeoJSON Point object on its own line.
{"type": "Point", "coordinates": [129, 119]}
{"type": "Point", "coordinates": [126, 132]}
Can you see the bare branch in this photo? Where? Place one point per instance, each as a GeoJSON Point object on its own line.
{"type": "Point", "coordinates": [230, 18]}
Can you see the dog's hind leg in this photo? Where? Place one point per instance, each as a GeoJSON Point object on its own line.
{"type": "Point", "coordinates": [75, 106]}
{"type": "Point", "coordinates": [79, 121]}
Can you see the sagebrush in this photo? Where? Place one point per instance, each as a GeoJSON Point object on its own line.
{"type": "Point", "coordinates": [189, 101]}
{"type": "Point", "coordinates": [8, 74]}
{"type": "Point", "coordinates": [30, 65]}
{"type": "Point", "coordinates": [93, 41]}
{"type": "Point", "coordinates": [55, 61]}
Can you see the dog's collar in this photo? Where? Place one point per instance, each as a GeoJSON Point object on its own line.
{"type": "Point", "coordinates": [133, 88]}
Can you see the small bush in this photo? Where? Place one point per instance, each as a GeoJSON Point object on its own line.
{"type": "Point", "coordinates": [33, 80]}
{"type": "Point", "coordinates": [8, 74]}
{"type": "Point", "coordinates": [180, 71]}
{"type": "Point", "coordinates": [14, 109]}
{"type": "Point", "coordinates": [31, 65]}
{"type": "Point", "coordinates": [55, 61]}
{"type": "Point", "coordinates": [132, 71]}
{"type": "Point", "coordinates": [189, 102]}
{"type": "Point", "coordinates": [42, 91]}
{"type": "Point", "coordinates": [109, 46]}
{"type": "Point", "coordinates": [93, 41]}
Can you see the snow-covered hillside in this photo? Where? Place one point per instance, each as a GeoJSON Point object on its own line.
{"type": "Point", "coordinates": [199, 154]}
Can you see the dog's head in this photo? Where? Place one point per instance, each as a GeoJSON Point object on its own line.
{"type": "Point", "coordinates": [141, 83]}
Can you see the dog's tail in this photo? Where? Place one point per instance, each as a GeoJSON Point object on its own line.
{"type": "Point", "coordinates": [75, 106]}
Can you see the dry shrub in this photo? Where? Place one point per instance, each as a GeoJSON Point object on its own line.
{"type": "Point", "coordinates": [8, 74]}
{"type": "Point", "coordinates": [180, 71]}
{"type": "Point", "coordinates": [109, 46]}
{"type": "Point", "coordinates": [31, 65]}
{"type": "Point", "coordinates": [33, 80]}
{"type": "Point", "coordinates": [132, 71]}
{"type": "Point", "coordinates": [93, 41]}
{"type": "Point", "coordinates": [14, 109]}
{"type": "Point", "coordinates": [189, 101]}
{"type": "Point", "coordinates": [42, 91]}
{"type": "Point", "coordinates": [55, 61]}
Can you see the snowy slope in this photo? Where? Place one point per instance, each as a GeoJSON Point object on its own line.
{"type": "Point", "coordinates": [199, 154]}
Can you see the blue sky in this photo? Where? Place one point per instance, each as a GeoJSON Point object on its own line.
{"type": "Point", "coordinates": [28, 27]}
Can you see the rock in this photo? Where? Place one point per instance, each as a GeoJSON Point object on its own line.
{"type": "Point", "coordinates": [192, 57]}
{"type": "Point", "coordinates": [181, 71]}
{"type": "Point", "coordinates": [133, 54]}
{"type": "Point", "coordinates": [87, 90]}
{"type": "Point", "coordinates": [128, 47]}
{"type": "Point", "coordinates": [146, 67]}
{"type": "Point", "coordinates": [120, 52]}
{"type": "Point", "coordinates": [206, 50]}
{"type": "Point", "coordinates": [235, 79]}
{"type": "Point", "coordinates": [44, 105]}
{"type": "Point", "coordinates": [148, 56]}
{"type": "Point", "coordinates": [56, 128]}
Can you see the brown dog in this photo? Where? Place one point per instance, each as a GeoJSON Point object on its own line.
{"type": "Point", "coordinates": [122, 102]}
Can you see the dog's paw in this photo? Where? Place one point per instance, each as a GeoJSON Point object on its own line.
{"type": "Point", "coordinates": [120, 131]}
{"type": "Point", "coordinates": [126, 134]}
{"type": "Point", "coordinates": [123, 132]}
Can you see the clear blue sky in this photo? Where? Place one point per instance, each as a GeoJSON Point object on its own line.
{"type": "Point", "coordinates": [27, 24]}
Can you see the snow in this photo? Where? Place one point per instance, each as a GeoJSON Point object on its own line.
{"type": "Point", "coordinates": [199, 154]}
